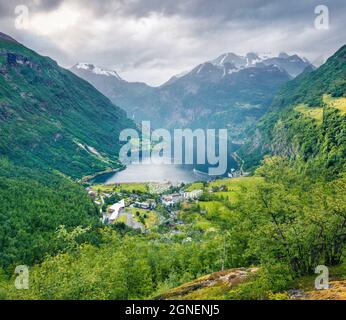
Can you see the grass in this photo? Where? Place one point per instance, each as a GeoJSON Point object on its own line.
{"type": "Point", "coordinates": [121, 219]}
{"type": "Point", "coordinates": [151, 219]}
{"type": "Point", "coordinates": [236, 182]}
{"type": "Point", "coordinates": [337, 282]}
{"type": "Point", "coordinates": [229, 183]}
{"type": "Point", "coordinates": [215, 210]}
{"type": "Point", "coordinates": [338, 103]}
{"type": "Point", "coordinates": [313, 113]}
{"type": "Point", "coordinates": [216, 287]}
{"type": "Point", "coordinates": [141, 187]}
{"type": "Point", "coordinates": [195, 186]}
{"type": "Point", "coordinates": [234, 186]}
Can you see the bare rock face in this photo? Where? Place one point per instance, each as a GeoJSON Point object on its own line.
{"type": "Point", "coordinates": [223, 279]}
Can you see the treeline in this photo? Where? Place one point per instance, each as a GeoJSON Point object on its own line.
{"type": "Point", "coordinates": [293, 218]}
{"type": "Point", "coordinates": [123, 267]}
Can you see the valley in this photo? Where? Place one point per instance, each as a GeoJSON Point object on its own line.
{"type": "Point", "coordinates": [153, 232]}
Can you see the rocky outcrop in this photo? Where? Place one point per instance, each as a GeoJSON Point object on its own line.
{"type": "Point", "coordinates": [222, 280]}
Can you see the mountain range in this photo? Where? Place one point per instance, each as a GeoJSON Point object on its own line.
{"type": "Point", "coordinates": [230, 91]}
{"type": "Point", "coordinates": [52, 119]}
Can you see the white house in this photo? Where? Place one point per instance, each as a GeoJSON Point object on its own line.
{"type": "Point", "coordinates": [195, 194]}
{"type": "Point", "coordinates": [115, 210]}
{"type": "Point", "coordinates": [171, 200]}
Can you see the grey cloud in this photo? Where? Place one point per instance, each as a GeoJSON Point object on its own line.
{"type": "Point", "coordinates": [185, 32]}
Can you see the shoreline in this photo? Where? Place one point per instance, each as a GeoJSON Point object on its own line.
{"type": "Point", "coordinates": [87, 179]}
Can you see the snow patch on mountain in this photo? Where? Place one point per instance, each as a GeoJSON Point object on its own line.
{"type": "Point", "coordinates": [293, 64]}
{"type": "Point", "coordinates": [96, 70]}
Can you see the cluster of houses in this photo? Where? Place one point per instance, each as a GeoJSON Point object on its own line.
{"type": "Point", "coordinates": [118, 209]}
{"type": "Point", "coordinates": [175, 198]}
{"type": "Point", "coordinates": [148, 205]}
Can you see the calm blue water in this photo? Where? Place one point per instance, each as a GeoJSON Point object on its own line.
{"type": "Point", "coordinates": [160, 173]}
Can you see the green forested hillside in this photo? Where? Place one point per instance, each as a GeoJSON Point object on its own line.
{"type": "Point", "coordinates": [309, 87]}
{"type": "Point", "coordinates": [307, 119]}
{"type": "Point", "coordinates": [49, 118]}
{"type": "Point", "coordinates": [33, 205]}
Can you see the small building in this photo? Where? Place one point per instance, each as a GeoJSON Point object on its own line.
{"type": "Point", "coordinates": [171, 200]}
{"type": "Point", "coordinates": [195, 194]}
{"type": "Point", "coordinates": [147, 205]}
{"type": "Point", "coordinates": [115, 210]}
{"type": "Point", "coordinates": [92, 193]}
{"type": "Point", "coordinates": [142, 205]}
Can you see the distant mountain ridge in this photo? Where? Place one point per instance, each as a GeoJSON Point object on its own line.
{"type": "Point", "coordinates": [292, 64]}
{"type": "Point", "coordinates": [231, 90]}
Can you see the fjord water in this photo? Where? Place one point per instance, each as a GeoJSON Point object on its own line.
{"type": "Point", "coordinates": [153, 173]}
{"type": "Point", "coordinates": [161, 173]}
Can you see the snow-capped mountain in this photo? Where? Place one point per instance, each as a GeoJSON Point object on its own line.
{"type": "Point", "coordinates": [231, 91]}
{"type": "Point", "coordinates": [228, 63]}
{"type": "Point", "coordinates": [292, 64]}
{"type": "Point", "coordinates": [96, 70]}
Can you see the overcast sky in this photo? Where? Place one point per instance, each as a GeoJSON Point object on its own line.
{"type": "Point", "coordinates": [151, 40]}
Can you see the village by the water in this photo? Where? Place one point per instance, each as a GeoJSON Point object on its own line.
{"type": "Point", "coordinates": [142, 206]}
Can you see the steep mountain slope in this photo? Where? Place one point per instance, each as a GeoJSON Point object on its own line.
{"type": "Point", "coordinates": [307, 119]}
{"type": "Point", "coordinates": [119, 91]}
{"type": "Point", "coordinates": [49, 118]}
{"type": "Point", "coordinates": [205, 98]}
{"type": "Point", "coordinates": [231, 91]}
{"type": "Point", "coordinates": [6, 37]}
